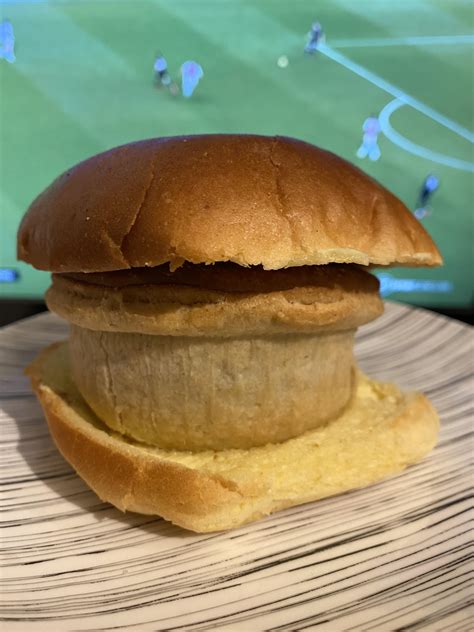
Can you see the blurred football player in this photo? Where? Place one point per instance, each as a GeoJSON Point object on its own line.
{"type": "Point", "coordinates": [429, 186]}
{"type": "Point", "coordinates": [369, 147]}
{"type": "Point", "coordinates": [7, 41]}
{"type": "Point", "coordinates": [191, 73]}
{"type": "Point", "coordinates": [315, 37]}
{"type": "Point", "coordinates": [162, 76]}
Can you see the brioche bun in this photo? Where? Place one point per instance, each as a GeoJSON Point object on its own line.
{"type": "Point", "coordinates": [252, 200]}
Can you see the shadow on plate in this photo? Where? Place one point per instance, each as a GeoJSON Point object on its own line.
{"type": "Point", "coordinates": [46, 464]}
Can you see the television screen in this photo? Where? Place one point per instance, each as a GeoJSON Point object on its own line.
{"type": "Point", "coordinates": [387, 85]}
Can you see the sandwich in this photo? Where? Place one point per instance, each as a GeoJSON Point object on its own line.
{"type": "Point", "coordinates": [213, 285]}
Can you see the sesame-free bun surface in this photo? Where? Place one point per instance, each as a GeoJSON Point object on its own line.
{"type": "Point", "coordinates": [252, 200]}
{"type": "Point", "coordinates": [381, 433]}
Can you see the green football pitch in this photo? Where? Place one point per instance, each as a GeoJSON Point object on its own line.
{"type": "Point", "coordinates": [83, 82]}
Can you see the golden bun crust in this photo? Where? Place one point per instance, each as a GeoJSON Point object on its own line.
{"type": "Point", "coordinates": [253, 200]}
{"type": "Point", "coordinates": [298, 300]}
{"type": "Point", "coordinates": [377, 436]}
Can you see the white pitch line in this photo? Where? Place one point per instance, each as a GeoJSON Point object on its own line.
{"type": "Point", "coordinates": [422, 40]}
{"type": "Point", "coordinates": [413, 148]}
{"type": "Point", "coordinates": [395, 92]}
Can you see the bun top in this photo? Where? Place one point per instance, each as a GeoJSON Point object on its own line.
{"type": "Point", "coordinates": [252, 200]}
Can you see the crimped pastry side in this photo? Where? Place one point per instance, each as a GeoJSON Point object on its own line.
{"type": "Point", "coordinates": [381, 433]}
{"type": "Point", "coordinates": [199, 393]}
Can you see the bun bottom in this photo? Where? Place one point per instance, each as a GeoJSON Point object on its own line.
{"type": "Point", "coordinates": [381, 432]}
